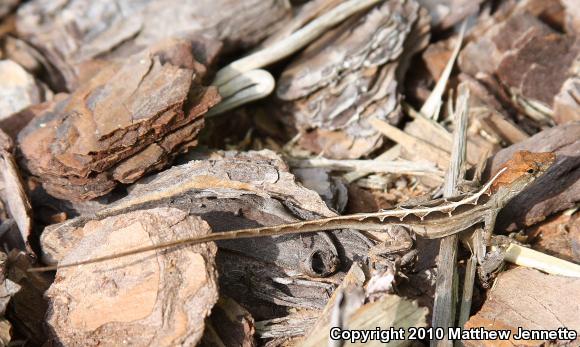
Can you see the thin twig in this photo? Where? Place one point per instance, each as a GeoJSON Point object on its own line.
{"type": "Point", "coordinates": [432, 106]}
{"type": "Point", "coordinates": [467, 295]}
{"type": "Point", "coordinates": [391, 154]}
{"type": "Point", "coordinates": [444, 305]}
{"type": "Point", "coordinates": [528, 257]}
{"type": "Point", "coordinates": [369, 166]}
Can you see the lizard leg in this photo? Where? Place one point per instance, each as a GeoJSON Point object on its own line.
{"type": "Point", "coordinates": [491, 265]}
{"type": "Point", "coordinates": [399, 241]}
{"type": "Point", "coordinates": [489, 226]}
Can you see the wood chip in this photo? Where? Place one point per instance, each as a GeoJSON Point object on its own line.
{"type": "Point", "coordinates": [131, 118]}
{"type": "Point", "coordinates": [559, 236]}
{"type": "Point", "coordinates": [544, 302]}
{"type": "Point", "coordinates": [349, 76]}
{"type": "Point", "coordinates": [155, 298]}
{"type": "Point", "coordinates": [15, 197]}
{"type": "Point", "coordinates": [111, 31]}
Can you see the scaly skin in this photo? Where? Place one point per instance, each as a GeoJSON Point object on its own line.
{"type": "Point", "coordinates": [433, 219]}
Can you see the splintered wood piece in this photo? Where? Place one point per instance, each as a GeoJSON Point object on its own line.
{"type": "Point", "coordinates": [389, 312]}
{"type": "Point", "coordinates": [557, 190]}
{"type": "Point", "coordinates": [348, 76]}
{"type": "Point", "coordinates": [156, 298]}
{"type": "Point", "coordinates": [133, 117]}
{"type": "Point", "coordinates": [528, 299]}
{"type": "Point", "coordinates": [15, 196]}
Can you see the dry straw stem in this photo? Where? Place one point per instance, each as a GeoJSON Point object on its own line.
{"type": "Point", "coordinates": [411, 143]}
{"type": "Point", "coordinates": [445, 291]}
{"type": "Point", "coordinates": [242, 81]}
{"type": "Point", "coordinates": [369, 166]}
{"type": "Point", "coordinates": [528, 257]}
{"type": "Point", "coordinates": [242, 89]}
{"type": "Point", "coordinates": [432, 106]}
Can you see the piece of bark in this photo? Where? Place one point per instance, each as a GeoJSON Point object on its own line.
{"type": "Point", "coordinates": [390, 311]}
{"type": "Point", "coordinates": [15, 197]}
{"type": "Point", "coordinates": [504, 35]}
{"type": "Point", "coordinates": [572, 16]}
{"type": "Point", "coordinates": [154, 298]}
{"type": "Point", "coordinates": [330, 188]}
{"type": "Point", "coordinates": [231, 191]}
{"type": "Point", "coordinates": [109, 31]}
{"type": "Point", "coordinates": [6, 6]}
{"type": "Point", "coordinates": [536, 71]}
{"type": "Point", "coordinates": [260, 286]}
{"type": "Point", "coordinates": [567, 101]}
{"type": "Point", "coordinates": [229, 325]}
{"type": "Point", "coordinates": [489, 116]}
{"type": "Point", "coordinates": [290, 326]}
{"type": "Point", "coordinates": [350, 75]}
{"type": "Point", "coordinates": [528, 299]}
{"type": "Point", "coordinates": [28, 307]}
{"type": "Point", "coordinates": [353, 281]}
{"type": "Point", "coordinates": [559, 236]}
{"type": "Point", "coordinates": [445, 14]}
{"type": "Point", "coordinates": [556, 190]}
{"type": "Point", "coordinates": [529, 61]}
{"type": "Point", "coordinates": [18, 90]}
{"type": "Point", "coordinates": [437, 55]}
{"type": "Point", "coordinates": [7, 289]}
{"type": "Point", "coordinates": [131, 118]}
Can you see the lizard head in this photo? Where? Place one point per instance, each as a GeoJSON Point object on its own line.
{"type": "Point", "coordinates": [522, 170]}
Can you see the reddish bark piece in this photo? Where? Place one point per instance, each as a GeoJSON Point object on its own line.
{"type": "Point", "coordinates": [157, 298]}
{"type": "Point", "coordinates": [544, 302]}
{"type": "Point", "coordinates": [484, 54]}
{"type": "Point", "coordinates": [130, 119]}
{"type": "Point", "coordinates": [537, 70]}
{"type": "Point", "coordinates": [559, 236]}
{"type": "Point", "coordinates": [350, 75]}
{"type": "Point", "coordinates": [526, 63]}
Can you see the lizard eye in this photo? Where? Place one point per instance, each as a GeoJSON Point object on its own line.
{"type": "Point", "coordinates": [531, 171]}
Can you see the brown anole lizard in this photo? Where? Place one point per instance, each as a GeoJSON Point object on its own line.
{"type": "Point", "coordinates": [433, 219]}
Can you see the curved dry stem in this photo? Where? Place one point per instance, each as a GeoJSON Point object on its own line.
{"type": "Point", "coordinates": [531, 258]}
{"type": "Point", "coordinates": [249, 86]}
